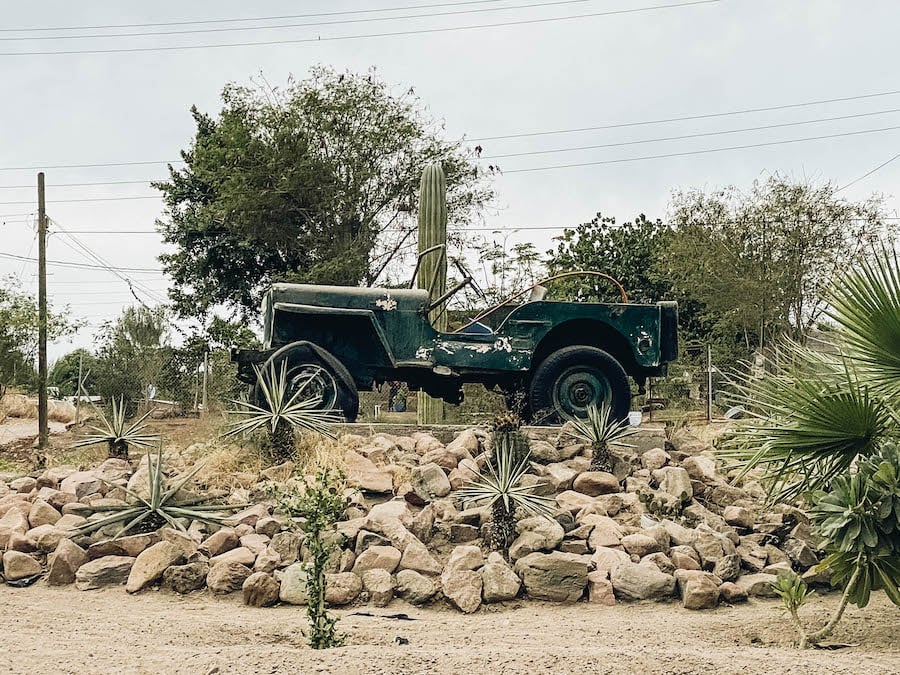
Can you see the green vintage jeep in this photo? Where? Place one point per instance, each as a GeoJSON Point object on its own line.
{"type": "Point", "coordinates": [550, 359]}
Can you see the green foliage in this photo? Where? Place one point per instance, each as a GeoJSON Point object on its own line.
{"type": "Point", "coordinates": [812, 420]}
{"type": "Point", "coordinates": [764, 258]}
{"type": "Point", "coordinates": [601, 431]}
{"type": "Point", "coordinates": [791, 589]}
{"type": "Point", "coordinates": [164, 505]}
{"type": "Point", "coordinates": [118, 433]}
{"type": "Point", "coordinates": [19, 332]}
{"type": "Point", "coordinates": [315, 182]}
{"type": "Point", "coordinates": [286, 407]}
{"type": "Point", "coordinates": [500, 490]}
{"type": "Point", "coordinates": [859, 521]}
{"type": "Point", "coordinates": [64, 372]}
{"type": "Point", "coordinates": [319, 506]}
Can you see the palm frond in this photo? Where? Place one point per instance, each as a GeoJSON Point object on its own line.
{"type": "Point", "coordinates": [865, 303]}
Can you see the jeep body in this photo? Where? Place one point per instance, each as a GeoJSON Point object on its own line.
{"type": "Point", "coordinates": [365, 336]}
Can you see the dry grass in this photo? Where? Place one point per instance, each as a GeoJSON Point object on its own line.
{"type": "Point", "coordinates": [316, 453]}
{"type": "Point", "coordinates": [225, 466]}
{"type": "Point", "coordinates": [84, 458]}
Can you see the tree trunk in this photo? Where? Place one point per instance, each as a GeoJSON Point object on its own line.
{"type": "Point", "coordinates": [600, 460]}
{"type": "Point", "coordinates": [118, 449]}
{"type": "Point", "coordinates": [503, 527]}
{"type": "Point", "coordinates": [282, 442]}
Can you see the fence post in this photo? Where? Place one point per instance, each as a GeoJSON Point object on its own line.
{"type": "Point", "coordinates": [205, 378]}
{"type": "Point", "coordinates": [709, 396]}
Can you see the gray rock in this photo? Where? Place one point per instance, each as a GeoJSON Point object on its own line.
{"type": "Point", "coordinates": [185, 578]}
{"type": "Point", "coordinates": [633, 581]}
{"type": "Point", "coordinates": [463, 589]}
{"type": "Point", "coordinates": [700, 592]}
{"type": "Point", "coordinates": [379, 584]}
{"type": "Point", "coordinates": [415, 588]}
{"type": "Point", "coordinates": [260, 590]}
{"type": "Point", "coordinates": [556, 576]}
{"type": "Point", "coordinates": [429, 482]}
{"type": "Point", "coordinates": [675, 481]}
{"type": "Point", "coordinates": [111, 570]}
{"type": "Point", "coordinates": [800, 553]}
{"type": "Point", "coordinates": [64, 563]}
{"type": "Point", "coordinates": [227, 577]}
{"type": "Point", "coordinates": [17, 565]}
{"type": "Point", "coordinates": [293, 585]}
{"type": "Point", "coordinates": [500, 582]}
{"type": "Point", "coordinates": [342, 588]}
{"type": "Point", "coordinates": [151, 563]}
{"type": "Point", "coordinates": [378, 557]}
{"type": "Point", "coordinates": [728, 567]}
{"type": "Point", "coordinates": [596, 483]}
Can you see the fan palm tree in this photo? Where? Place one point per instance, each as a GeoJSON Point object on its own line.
{"type": "Point", "coordinates": [823, 427]}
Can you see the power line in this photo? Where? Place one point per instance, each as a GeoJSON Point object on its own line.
{"type": "Point", "coordinates": [686, 118]}
{"type": "Point", "coordinates": [340, 22]}
{"type": "Point", "coordinates": [59, 185]}
{"type": "Point", "coordinates": [258, 18]}
{"type": "Point", "coordinates": [701, 152]}
{"type": "Point", "coordinates": [696, 135]}
{"type": "Point", "coordinates": [419, 31]}
{"type": "Point", "coordinates": [88, 199]}
{"type": "Point", "coordinates": [869, 173]}
{"type": "Point", "coordinates": [76, 265]}
{"type": "Point", "coordinates": [90, 166]}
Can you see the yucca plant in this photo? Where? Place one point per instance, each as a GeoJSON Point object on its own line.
{"type": "Point", "coordinates": [500, 489]}
{"type": "Point", "coordinates": [162, 506]}
{"type": "Point", "coordinates": [823, 429]}
{"type": "Point", "coordinates": [601, 431]}
{"type": "Point", "coordinates": [286, 406]}
{"type": "Point", "coordinates": [118, 433]}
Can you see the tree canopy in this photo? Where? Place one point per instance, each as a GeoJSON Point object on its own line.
{"type": "Point", "coordinates": [315, 182]}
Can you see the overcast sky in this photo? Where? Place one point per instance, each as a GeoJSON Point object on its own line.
{"type": "Point", "coordinates": [588, 71]}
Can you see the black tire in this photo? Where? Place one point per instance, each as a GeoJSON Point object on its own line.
{"type": "Point", "coordinates": [570, 379]}
{"type": "Point", "coordinates": [328, 382]}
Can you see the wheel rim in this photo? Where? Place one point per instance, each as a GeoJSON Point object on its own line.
{"type": "Point", "coordinates": [315, 383]}
{"type": "Point", "coordinates": [577, 388]}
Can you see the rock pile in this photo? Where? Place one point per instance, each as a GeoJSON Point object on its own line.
{"type": "Point", "coordinates": [664, 524]}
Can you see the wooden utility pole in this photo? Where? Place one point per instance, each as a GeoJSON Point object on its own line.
{"type": "Point", "coordinates": [205, 379]}
{"type": "Point", "coordinates": [42, 320]}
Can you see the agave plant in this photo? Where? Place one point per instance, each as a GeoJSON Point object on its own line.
{"type": "Point", "coordinates": [500, 489]}
{"type": "Point", "coordinates": [507, 433]}
{"type": "Point", "coordinates": [285, 406]}
{"type": "Point", "coordinates": [118, 433]}
{"type": "Point", "coordinates": [601, 431]}
{"type": "Point", "coordinates": [162, 506]}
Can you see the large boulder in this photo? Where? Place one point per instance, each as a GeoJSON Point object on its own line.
{"type": "Point", "coordinates": [674, 481]}
{"type": "Point", "coordinates": [500, 582]}
{"type": "Point", "coordinates": [41, 513]}
{"type": "Point", "coordinates": [227, 577]}
{"type": "Point", "coordinates": [536, 534]}
{"type": "Point", "coordinates": [463, 589]}
{"type": "Point", "coordinates": [185, 578]}
{"type": "Point", "coordinates": [260, 590]}
{"type": "Point", "coordinates": [699, 592]}
{"type": "Point", "coordinates": [556, 576]}
{"type": "Point", "coordinates": [415, 588]}
{"type": "Point", "coordinates": [378, 557]}
{"type": "Point", "coordinates": [600, 589]}
{"type": "Point", "coordinates": [342, 588]}
{"type": "Point", "coordinates": [417, 557]}
{"type": "Point", "coordinates": [465, 558]}
{"type": "Point", "coordinates": [640, 544]}
{"type": "Point", "coordinates": [595, 483]}
{"type": "Point", "coordinates": [111, 570]}
{"type": "Point", "coordinates": [379, 584]}
{"type": "Point", "coordinates": [429, 482]}
{"type": "Point", "coordinates": [362, 473]}
{"type": "Point", "coordinates": [17, 565]}
{"type": "Point", "coordinates": [633, 581]}
{"type": "Point", "coordinates": [64, 563]}
{"type": "Point", "coordinates": [293, 585]}
{"type": "Point", "coordinates": [757, 585]}
{"type": "Point", "coordinates": [151, 563]}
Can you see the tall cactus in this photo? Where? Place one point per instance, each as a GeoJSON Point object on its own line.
{"type": "Point", "coordinates": [433, 270]}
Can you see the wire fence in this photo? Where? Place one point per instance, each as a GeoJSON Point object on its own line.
{"type": "Point", "coordinates": [185, 383]}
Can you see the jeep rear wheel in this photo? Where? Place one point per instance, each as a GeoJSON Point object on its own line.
{"type": "Point", "coordinates": [317, 380]}
{"type": "Point", "coordinates": [571, 379]}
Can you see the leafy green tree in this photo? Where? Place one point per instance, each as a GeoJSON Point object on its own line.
{"type": "Point", "coordinates": [316, 182]}
{"type": "Point", "coordinates": [759, 262]}
{"type": "Point", "coordinates": [19, 327]}
{"type": "Point", "coordinates": [64, 372]}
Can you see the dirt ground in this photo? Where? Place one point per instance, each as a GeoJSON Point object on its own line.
{"type": "Point", "coordinates": [47, 630]}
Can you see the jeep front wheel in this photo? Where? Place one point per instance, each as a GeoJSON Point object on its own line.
{"type": "Point", "coordinates": [571, 379]}
{"type": "Point", "coordinates": [318, 381]}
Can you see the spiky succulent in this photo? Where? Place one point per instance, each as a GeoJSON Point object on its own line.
{"type": "Point", "coordinates": [162, 506]}
{"type": "Point", "coordinates": [118, 433]}
{"type": "Point", "coordinates": [601, 430]}
{"type": "Point", "coordinates": [501, 490]}
{"type": "Point", "coordinates": [285, 406]}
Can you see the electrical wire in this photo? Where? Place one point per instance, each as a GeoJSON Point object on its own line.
{"type": "Point", "coordinates": [868, 173]}
{"type": "Point", "coordinates": [340, 22]}
{"type": "Point", "coordinates": [87, 199]}
{"type": "Point", "coordinates": [77, 265]}
{"type": "Point", "coordinates": [333, 38]}
{"type": "Point", "coordinates": [688, 153]}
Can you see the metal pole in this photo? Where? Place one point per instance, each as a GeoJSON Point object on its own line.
{"type": "Point", "coordinates": [205, 377]}
{"type": "Point", "coordinates": [43, 432]}
{"type": "Point", "coordinates": [78, 388]}
{"type": "Point", "coordinates": [709, 395]}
